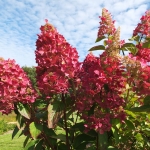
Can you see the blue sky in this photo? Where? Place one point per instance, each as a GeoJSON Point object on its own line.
{"type": "Point", "coordinates": [77, 20]}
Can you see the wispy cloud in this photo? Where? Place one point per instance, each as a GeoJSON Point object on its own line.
{"type": "Point", "coordinates": [77, 20]}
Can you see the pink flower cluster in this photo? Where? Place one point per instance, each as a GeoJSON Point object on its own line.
{"type": "Point", "coordinates": [102, 83]}
{"type": "Point", "coordinates": [106, 24]}
{"type": "Point", "coordinates": [143, 28]}
{"type": "Point", "coordinates": [14, 86]}
{"type": "Point", "coordinates": [57, 61]}
{"type": "Point", "coordinates": [142, 78]}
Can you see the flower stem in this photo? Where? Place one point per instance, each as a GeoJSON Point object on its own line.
{"type": "Point", "coordinates": [65, 121]}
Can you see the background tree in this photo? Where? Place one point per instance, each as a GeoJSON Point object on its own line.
{"type": "Point", "coordinates": [31, 73]}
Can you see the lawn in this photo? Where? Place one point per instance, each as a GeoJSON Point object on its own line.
{"type": "Point", "coordinates": [6, 143]}
{"type": "Point", "coordinates": [9, 118]}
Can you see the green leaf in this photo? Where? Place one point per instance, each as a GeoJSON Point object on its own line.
{"type": "Point", "coordinates": [112, 148]}
{"type": "Point", "coordinates": [26, 141]}
{"type": "Point", "coordinates": [146, 131]}
{"type": "Point", "coordinates": [24, 110]}
{"type": "Point", "coordinates": [116, 135]}
{"type": "Point", "coordinates": [147, 100]}
{"type": "Point", "coordinates": [35, 129]}
{"type": "Point", "coordinates": [146, 45]}
{"type": "Point", "coordinates": [139, 137]}
{"type": "Point", "coordinates": [130, 47]}
{"type": "Point", "coordinates": [144, 108]}
{"type": "Point", "coordinates": [31, 145]}
{"type": "Point", "coordinates": [49, 132]}
{"type": "Point", "coordinates": [99, 47]}
{"type": "Point", "coordinates": [61, 137]}
{"type": "Point", "coordinates": [91, 148]}
{"type": "Point", "coordinates": [100, 38]}
{"type": "Point", "coordinates": [92, 133]}
{"type": "Point", "coordinates": [79, 139]}
{"type": "Point", "coordinates": [135, 38]}
{"type": "Point", "coordinates": [62, 146]}
{"type": "Point", "coordinates": [103, 140]}
{"type": "Point", "coordinates": [130, 113]}
{"type": "Point", "coordinates": [15, 132]}
{"type": "Point", "coordinates": [82, 146]}
{"type": "Point", "coordinates": [79, 126]}
{"type": "Point", "coordinates": [105, 42]}
{"type": "Point", "coordinates": [39, 145]}
{"type": "Point", "coordinates": [130, 125]}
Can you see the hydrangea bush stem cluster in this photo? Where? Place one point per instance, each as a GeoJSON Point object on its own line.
{"type": "Point", "coordinates": [96, 103]}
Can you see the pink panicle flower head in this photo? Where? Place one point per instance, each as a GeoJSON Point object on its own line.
{"type": "Point", "coordinates": [14, 86]}
{"type": "Point", "coordinates": [143, 53]}
{"type": "Point", "coordinates": [57, 60]}
{"type": "Point", "coordinates": [106, 24]}
{"type": "Point", "coordinates": [101, 84]}
{"type": "Point", "coordinates": [144, 26]}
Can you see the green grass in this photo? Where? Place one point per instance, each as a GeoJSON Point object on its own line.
{"type": "Point", "coordinates": [6, 143]}
{"type": "Point", "coordinates": [4, 126]}
{"type": "Point", "coordinates": [9, 118]}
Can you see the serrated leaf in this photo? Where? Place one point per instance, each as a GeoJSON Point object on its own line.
{"type": "Point", "coordinates": [15, 132]}
{"type": "Point", "coordinates": [35, 129]}
{"type": "Point", "coordinates": [144, 108]}
{"type": "Point", "coordinates": [130, 47]}
{"type": "Point", "coordinates": [100, 38]}
{"type": "Point", "coordinates": [99, 47]}
{"type": "Point", "coordinates": [24, 110]}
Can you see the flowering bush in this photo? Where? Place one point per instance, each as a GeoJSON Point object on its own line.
{"type": "Point", "coordinates": [14, 86]}
{"type": "Point", "coordinates": [101, 103]}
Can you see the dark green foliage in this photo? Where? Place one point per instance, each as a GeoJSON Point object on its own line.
{"type": "Point", "coordinates": [31, 73]}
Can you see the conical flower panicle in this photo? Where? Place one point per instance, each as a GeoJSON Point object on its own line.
{"type": "Point", "coordinates": [106, 24]}
{"type": "Point", "coordinates": [57, 61]}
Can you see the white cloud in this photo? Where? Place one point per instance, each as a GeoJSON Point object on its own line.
{"type": "Point", "coordinates": [77, 20]}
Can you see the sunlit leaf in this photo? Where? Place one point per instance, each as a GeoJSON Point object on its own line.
{"type": "Point", "coordinates": [35, 129]}
{"type": "Point", "coordinates": [24, 110]}
{"type": "Point", "coordinates": [100, 38]}
{"type": "Point", "coordinates": [146, 45]}
{"type": "Point", "coordinates": [99, 47]}
{"type": "Point", "coordinates": [130, 47]}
